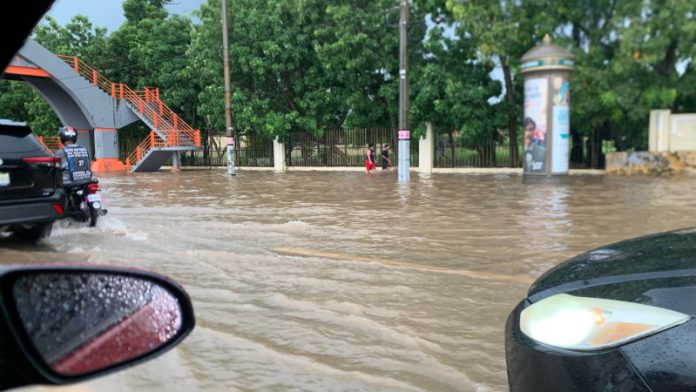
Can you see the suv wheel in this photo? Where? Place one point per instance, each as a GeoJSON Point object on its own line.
{"type": "Point", "coordinates": [35, 233]}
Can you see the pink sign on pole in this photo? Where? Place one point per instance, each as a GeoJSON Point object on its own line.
{"type": "Point", "coordinates": [404, 135]}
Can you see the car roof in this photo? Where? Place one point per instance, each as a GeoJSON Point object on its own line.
{"type": "Point", "coordinates": [10, 123]}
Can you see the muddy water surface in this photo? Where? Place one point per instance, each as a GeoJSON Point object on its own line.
{"type": "Point", "coordinates": [340, 281]}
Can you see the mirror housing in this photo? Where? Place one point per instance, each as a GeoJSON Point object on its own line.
{"type": "Point", "coordinates": [66, 324]}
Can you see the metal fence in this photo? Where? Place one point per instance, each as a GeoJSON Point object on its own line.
{"type": "Point", "coordinates": [250, 150]}
{"type": "Point", "coordinates": [453, 151]}
{"type": "Point", "coordinates": [347, 147]}
{"type": "Point", "coordinates": [343, 147]}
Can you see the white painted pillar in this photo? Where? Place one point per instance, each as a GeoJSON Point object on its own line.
{"type": "Point", "coordinates": [279, 156]}
{"type": "Point", "coordinates": [425, 150]}
{"type": "Point", "coordinates": [176, 160]}
{"type": "Point", "coordinates": [659, 131]}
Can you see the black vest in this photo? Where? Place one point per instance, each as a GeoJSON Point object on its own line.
{"type": "Point", "coordinates": [78, 163]}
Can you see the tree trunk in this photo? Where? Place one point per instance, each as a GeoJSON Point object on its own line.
{"type": "Point", "coordinates": [328, 151]}
{"type": "Point", "coordinates": [618, 140]}
{"type": "Point", "coordinates": [512, 117]}
{"type": "Point", "coordinates": [668, 65]}
{"type": "Point", "coordinates": [288, 151]}
{"type": "Point", "coordinates": [576, 154]}
{"type": "Point", "coordinates": [253, 141]}
{"type": "Point", "coordinates": [493, 159]}
{"type": "Point", "coordinates": [206, 145]}
{"type": "Point", "coordinates": [595, 149]}
{"type": "Point", "coordinates": [576, 34]}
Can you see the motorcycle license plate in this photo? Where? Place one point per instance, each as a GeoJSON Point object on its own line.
{"type": "Point", "coordinates": [94, 197]}
{"type": "Point", "coordinates": [4, 179]}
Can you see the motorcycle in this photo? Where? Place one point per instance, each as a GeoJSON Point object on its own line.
{"type": "Point", "coordinates": [84, 203]}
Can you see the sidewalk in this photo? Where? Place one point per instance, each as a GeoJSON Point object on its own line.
{"type": "Point", "coordinates": [455, 170]}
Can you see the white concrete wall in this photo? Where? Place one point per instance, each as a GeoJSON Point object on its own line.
{"type": "Point", "coordinates": [672, 132]}
{"type": "Point", "coordinates": [658, 137]}
{"type": "Point", "coordinates": [682, 132]}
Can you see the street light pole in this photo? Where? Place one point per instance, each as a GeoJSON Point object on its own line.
{"type": "Point", "coordinates": [404, 133]}
{"type": "Point", "coordinates": [228, 103]}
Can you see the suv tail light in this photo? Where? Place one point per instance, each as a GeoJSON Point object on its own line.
{"type": "Point", "coordinates": [43, 160]}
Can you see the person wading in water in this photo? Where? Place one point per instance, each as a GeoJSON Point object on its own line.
{"type": "Point", "coordinates": [386, 162]}
{"type": "Point", "coordinates": [370, 158]}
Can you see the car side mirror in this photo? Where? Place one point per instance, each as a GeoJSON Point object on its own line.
{"type": "Point", "coordinates": [73, 323]}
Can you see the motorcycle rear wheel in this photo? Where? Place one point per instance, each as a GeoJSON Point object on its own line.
{"type": "Point", "coordinates": [93, 215]}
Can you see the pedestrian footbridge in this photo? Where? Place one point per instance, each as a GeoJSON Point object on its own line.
{"type": "Point", "coordinates": [98, 108]}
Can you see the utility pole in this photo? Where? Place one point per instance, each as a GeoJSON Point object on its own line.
{"type": "Point", "coordinates": [228, 103]}
{"type": "Point", "coordinates": [404, 133]}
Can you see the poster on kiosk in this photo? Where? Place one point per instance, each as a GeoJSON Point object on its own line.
{"type": "Point", "coordinates": [561, 125]}
{"type": "Point", "coordinates": [535, 115]}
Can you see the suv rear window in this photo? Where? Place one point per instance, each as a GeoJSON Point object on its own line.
{"type": "Point", "coordinates": [17, 141]}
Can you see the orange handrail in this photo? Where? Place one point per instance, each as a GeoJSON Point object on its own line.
{"type": "Point", "coordinates": [155, 139]}
{"type": "Point", "coordinates": [170, 129]}
{"type": "Point", "coordinates": [51, 143]}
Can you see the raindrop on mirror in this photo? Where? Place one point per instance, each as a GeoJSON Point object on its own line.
{"type": "Point", "coordinates": [80, 322]}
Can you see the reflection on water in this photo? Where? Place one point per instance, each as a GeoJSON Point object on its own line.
{"type": "Point", "coordinates": [342, 281]}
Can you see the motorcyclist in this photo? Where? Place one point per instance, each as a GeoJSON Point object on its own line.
{"type": "Point", "coordinates": [83, 204]}
{"type": "Point", "coordinates": [75, 162]}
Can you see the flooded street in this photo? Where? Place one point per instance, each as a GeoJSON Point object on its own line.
{"type": "Point", "coordinates": [337, 281]}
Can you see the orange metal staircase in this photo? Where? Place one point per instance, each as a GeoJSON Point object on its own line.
{"type": "Point", "coordinates": [169, 133]}
{"type": "Point", "coordinates": [51, 143]}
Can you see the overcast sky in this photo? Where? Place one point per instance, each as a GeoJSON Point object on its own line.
{"type": "Point", "coordinates": [109, 13]}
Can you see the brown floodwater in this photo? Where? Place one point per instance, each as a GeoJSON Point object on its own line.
{"type": "Point", "coordinates": [336, 281]}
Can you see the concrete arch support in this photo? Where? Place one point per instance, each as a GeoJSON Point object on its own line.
{"type": "Point", "coordinates": [76, 101]}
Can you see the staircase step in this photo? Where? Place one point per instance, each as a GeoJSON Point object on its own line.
{"type": "Point", "coordinates": [155, 151]}
{"type": "Point", "coordinates": [154, 158]}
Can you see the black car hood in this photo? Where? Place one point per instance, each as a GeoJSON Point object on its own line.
{"type": "Point", "coordinates": [670, 255]}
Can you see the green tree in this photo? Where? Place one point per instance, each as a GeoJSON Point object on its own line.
{"type": "Point", "coordinates": [360, 48]}
{"type": "Point", "coordinates": [13, 98]}
{"type": "Point", "coordinates": [299, 65]}
{"type": "Point", "coordinates": [314, 65]}
{"type": "Point", "coordinates": [77, 38]}
{"type": "Point", "coordinates": [149, 50]}
{"type": "Point", "coordinates": [632, 56]}
{"type": "Point", "coordinates": [452, 89]}
{"type": "Point", "coordinates": [311, 66]}
{"type": "Point", "coordinates": [505, 30]}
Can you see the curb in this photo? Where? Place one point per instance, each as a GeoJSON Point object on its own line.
{"type": "Point", "coordinates": [456, 170]}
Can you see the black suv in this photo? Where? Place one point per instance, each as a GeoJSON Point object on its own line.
{"type": "Point", "coordinates": [31, 184]}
